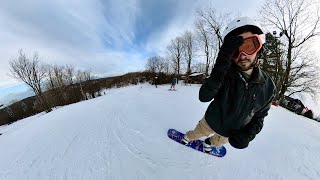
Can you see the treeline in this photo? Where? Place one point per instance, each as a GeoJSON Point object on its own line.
{"type": "Point", "coordinates": [56, 86]}
{"type": "Point", "coordinates": [290, 27]}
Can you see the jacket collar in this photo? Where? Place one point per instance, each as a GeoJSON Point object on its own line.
{"type": "Point", "coordinates": [257, 75]}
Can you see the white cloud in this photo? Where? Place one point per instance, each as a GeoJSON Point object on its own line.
{"type": "Point", "coordinates": [183, 20]}
{"type": "Point", "coordinates": [95, 34]}
{"type": "Point", "coordinates": [185, 17]}
{"type": "Point", "coordinates": [67, 32]}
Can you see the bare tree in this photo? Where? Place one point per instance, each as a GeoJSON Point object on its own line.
{"type": "Point", "coordinates": [214, 21]}
{"type": "Point", "coordinates": [155, 64]}
{"type": "Point", "coordinates": [32, 72]}
{"type": "Point", "coordinates": [161, 64]}
{"type": "Point", "coordinates": [60, 77]}
{"type": "Point", "coordinates": [57, 84]}
{"type": "Point", "coordinates": [92, 86]}
{"type": "Point", "coordinates": [151, 64]}
{"type": "Point", "coordinates": [50, 85]}
{"type": "Point", "coordinates": [298, 21]}
{"type": "Point", "coordinates": [175, 50]}
{"type": "Point", "coordinates": [204, 39]}
{"type": "Point", "coordinates": [189, 48]}
{"type": "Point", "coordinates": [60, 80]}
{"type": "Point", "coordinates": [166, 66]}
{"type": "Point", "coordinates": [88, 75]}
{"type": "Point", "coordinates": [199, 67]}
{"type": "Point", "coordinates": [80, 78]}
{"type": "Point", "coordinates": [70, 75]}
{"type": "Point", "coordinates": [84, 78]}
{"type": "Point", "coordinates": [304, 76]}
{"type": "Point", "coordinates": [211, 21]}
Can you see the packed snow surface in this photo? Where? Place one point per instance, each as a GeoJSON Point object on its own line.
{"type": "Point", "coordinates": [122, 135]}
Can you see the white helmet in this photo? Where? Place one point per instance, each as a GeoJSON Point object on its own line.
{"type": "Point", "coordinates": [240, 22]}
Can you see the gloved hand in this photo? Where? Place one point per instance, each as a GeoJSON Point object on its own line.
{"type": "Point", "coordinates": [230, 44]}
{"type": "Point", "coordinates": [240, 139]}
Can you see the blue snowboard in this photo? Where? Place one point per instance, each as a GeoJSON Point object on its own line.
{"type": "Point", "coordinates": [197, 144]}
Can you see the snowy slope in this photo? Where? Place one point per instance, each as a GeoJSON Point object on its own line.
{"type": "Point", "coordinates": [122, 135]}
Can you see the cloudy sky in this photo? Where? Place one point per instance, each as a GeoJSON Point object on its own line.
{"type": "Point", "coordinates": [105, 36]}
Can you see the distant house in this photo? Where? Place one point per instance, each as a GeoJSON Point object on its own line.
{"type": "Point", "coordinates": [195, 78]}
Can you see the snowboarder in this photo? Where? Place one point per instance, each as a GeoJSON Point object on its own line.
{"type": "Point", "coordinates": [173, 84]}
{"type": "Point", "coordinates": [156, 81]}
{"type": "Point", "coordinates": [242, 92]}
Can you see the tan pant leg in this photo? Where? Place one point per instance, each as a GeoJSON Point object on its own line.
{"type": "Point", "coordinates": [218, 140]}
{"type": "Point", "coordinates": [202, 129]}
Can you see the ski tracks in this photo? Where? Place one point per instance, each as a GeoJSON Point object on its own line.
{"type": "Point", "coordinates": [132, 143]}
{"type": "Point", "coordinates": [123, 145]}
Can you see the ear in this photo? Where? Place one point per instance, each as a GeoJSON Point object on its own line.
{"type": "Point", "coordinates": [259, 59]}
{"type": "Point", "coordinates": [256, 62]}
{"type": "Point", "coordinates": [260, 52]}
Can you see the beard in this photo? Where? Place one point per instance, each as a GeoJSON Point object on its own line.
{"type": "Point", "coordinates": [244, 64]}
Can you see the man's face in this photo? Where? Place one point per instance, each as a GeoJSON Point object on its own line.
{"type": "Point", "coordinates": [245, 62]}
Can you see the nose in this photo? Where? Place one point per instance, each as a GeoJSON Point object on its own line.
{"type": "Point", "coordinates": [242, 55]}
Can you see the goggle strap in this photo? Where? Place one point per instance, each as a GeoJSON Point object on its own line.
{"type": "Point", "coordinates": [262, 38]}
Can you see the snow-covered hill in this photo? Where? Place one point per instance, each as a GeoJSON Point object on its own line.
{"type": "Point", "coordinates": [122, 135]}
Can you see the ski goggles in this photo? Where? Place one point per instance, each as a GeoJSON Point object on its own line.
{"type": "Point", "coordinates": [251, 45]}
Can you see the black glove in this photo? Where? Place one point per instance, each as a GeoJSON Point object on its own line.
{"type": "Point", "coordinates": [240, 139]}
{"type": "Point", "coordinates": [230, 44]}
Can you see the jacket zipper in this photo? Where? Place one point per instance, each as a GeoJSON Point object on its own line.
{"type": "Point", "coordinates": [245, 96]}
{"type": "Point", "coordinates": [245, 82]}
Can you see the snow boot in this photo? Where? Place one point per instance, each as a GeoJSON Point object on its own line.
{"type": "Point", "coordinates": [207, 145]}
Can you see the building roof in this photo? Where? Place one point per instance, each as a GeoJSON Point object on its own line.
{"type": "Point", "coordinates": [196, 74]}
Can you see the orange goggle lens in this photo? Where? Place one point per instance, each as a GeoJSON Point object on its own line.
{"type": "Point", "coordinates": [250, 46]}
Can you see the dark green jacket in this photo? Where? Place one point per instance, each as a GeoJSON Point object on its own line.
{"type": "Point", "coordinates": [239, 107]}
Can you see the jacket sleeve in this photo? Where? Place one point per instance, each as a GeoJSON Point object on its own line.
{"type": "Point", "coordinates": [212, 84]}
{"type": "Point", "coordinates": [256, 124]}
{"type": "Point", "coordinates": [242, 138]}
